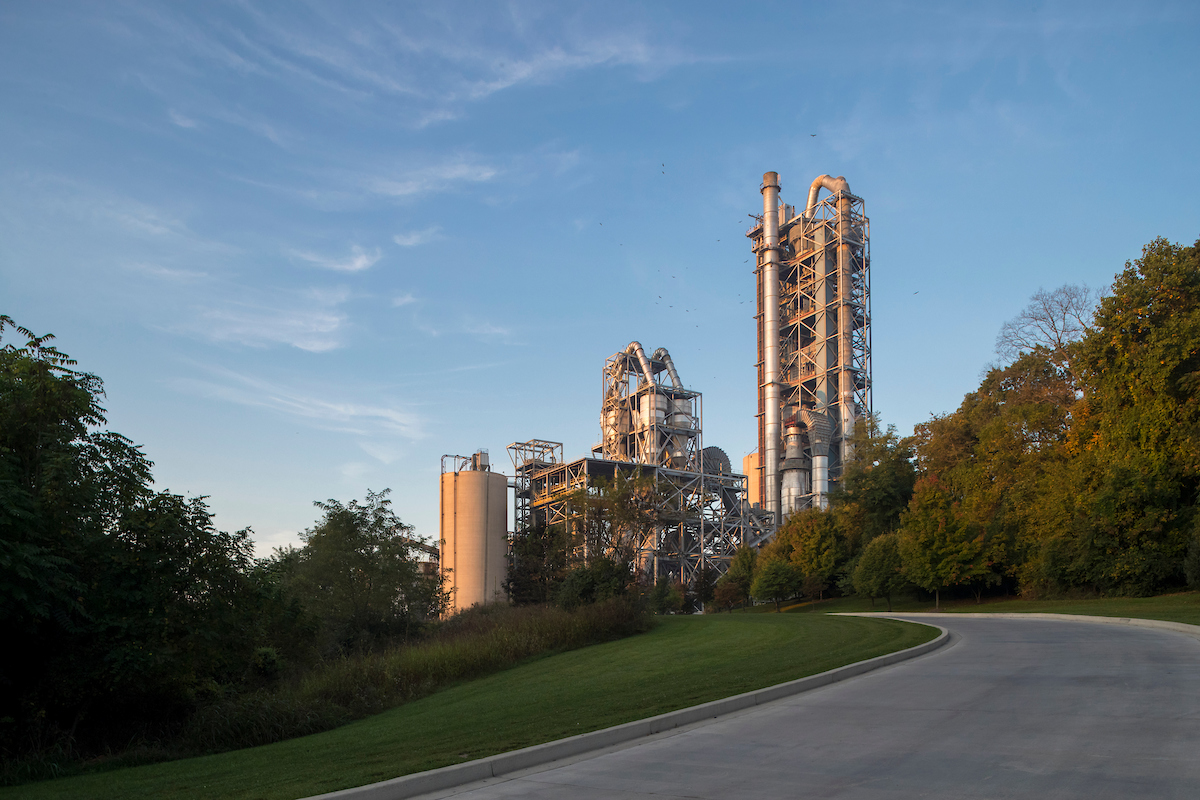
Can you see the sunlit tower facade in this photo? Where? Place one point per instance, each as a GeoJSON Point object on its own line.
{"type": "Point", "coordinates": [813, 288]}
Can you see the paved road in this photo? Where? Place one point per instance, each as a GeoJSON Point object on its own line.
{"type": "Point", "coordinates": [1012, 709]}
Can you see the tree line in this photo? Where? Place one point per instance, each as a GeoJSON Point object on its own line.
{"type": "Point", "coordinates": [1074, 467]}
{"type": "Point", "coordinates": [124, 609]}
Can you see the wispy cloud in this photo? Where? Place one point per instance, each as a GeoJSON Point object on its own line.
{"type": "Point", "coordinates": [415, 238]}
{"type": "Point", "coordinates": [382, 452]}
{"type": "Point", "coordinates": [82, 205]}
{"type": "Point", "coordinates": [430, 63]}
{"type": "Point", "coordinates": [167, 273]}
{"type": "Point", "coordinates": [358, 260]}
{"type": "Point", "coordinates": [406, 299]}
{"type": "Point", "coordinates": [369, 420]}
{"type": "Point", "coordinates": [180, 119]}
{"type": "Point", "coordinates": [310, 320]}
{"type": "Point", "coordinates": [434, 178]}
{"type": "Point", "coordinates": [487, 330]}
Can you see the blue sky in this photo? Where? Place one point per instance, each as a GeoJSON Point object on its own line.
{"type": "Point", "coordinates": [312, 247]}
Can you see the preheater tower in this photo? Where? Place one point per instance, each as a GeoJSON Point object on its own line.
{"type": "Point", "coordinates": [813, 276]}
{"type": "Point", "coordinates": [474, 551]}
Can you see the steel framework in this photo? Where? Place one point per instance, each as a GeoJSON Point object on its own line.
{"type": "Point", "coordinates": [824, 324]}
{"type": "Point", "coordinates": [651, 426]}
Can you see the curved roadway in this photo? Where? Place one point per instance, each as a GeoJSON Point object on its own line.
{"type": "Point", "coordinates": [1011, 709]}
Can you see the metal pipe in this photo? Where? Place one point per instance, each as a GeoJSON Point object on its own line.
{"type": "Point", "coordinates": [845, 310]}
{"type": "Point", "coordinates": [635, 349]}
{"type": "Point", "coordinates": [845, 325]}
{"type": "Point", "coordinates": [834, 185]}
{"type": "Point", "coordinates": [662, 355]}
{"type": "Point", "coordinates": [793, 475]}
{"type": "Point", "coordinates": [820, 428]}
{"type": "Point", "coordinates": [770, 306]}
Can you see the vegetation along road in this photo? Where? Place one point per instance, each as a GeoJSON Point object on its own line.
{"type": "Point", "coordinates": [682, 662]}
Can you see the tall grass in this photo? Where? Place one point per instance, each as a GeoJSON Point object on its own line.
{"type": "Point", "coordinates": [472, 644]}
{"type": "Point", "coordinates": [469, 645]}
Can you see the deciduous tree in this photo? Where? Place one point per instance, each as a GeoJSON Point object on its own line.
{"type": "Point", "coordinates": [775, 581]}
{"type": "Point", "coordinates": [880, 570]}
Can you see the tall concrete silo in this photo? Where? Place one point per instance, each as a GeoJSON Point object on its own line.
{"type": "Point", "coordinates": [474, 550]}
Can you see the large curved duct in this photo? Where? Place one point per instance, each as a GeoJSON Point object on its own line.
{"type": "Point", "coordinates": [834, 185]}
{"type": "Point", "coordinates": [635, 349]}
{"type": "Point", "coordinates": [662, 355]}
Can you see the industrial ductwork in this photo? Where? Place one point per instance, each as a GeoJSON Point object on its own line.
{"type": "Point", "coordinates": [662, 355]}
{"type": "Point", "coordinates": [635, 349]}
{"type": "Point", "coordinates": [820, 433]}
{"type": "Point", "coordinates": [834, 185]}
{"type": "Point", "coordinates": [796, 469]}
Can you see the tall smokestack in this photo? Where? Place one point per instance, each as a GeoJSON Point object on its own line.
{"type": "Point", "coordinates": [770, 306]}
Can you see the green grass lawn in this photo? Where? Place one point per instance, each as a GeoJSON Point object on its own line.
{"type": "Point", "coordinates": [682, 662]}
{"type": "Point", "coordinates": [1182, 607]}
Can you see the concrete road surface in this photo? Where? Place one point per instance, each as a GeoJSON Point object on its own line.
{"type": "Point", "coordinates": [1012, 708]}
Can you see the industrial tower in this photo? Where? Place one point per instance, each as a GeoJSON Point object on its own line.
{"type": "Point", "coordinates": [813, 277]}
{"type": "Point", "coordinates": [650, 425]}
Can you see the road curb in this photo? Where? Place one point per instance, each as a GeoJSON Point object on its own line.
{"type": "Point", "coordinates": [1160, 624]}
{"type": "Point", "coordinates": [435, 780]}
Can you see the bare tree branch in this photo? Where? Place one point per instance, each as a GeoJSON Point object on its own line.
{"type": "Point", "coordinates": [1051, 320]}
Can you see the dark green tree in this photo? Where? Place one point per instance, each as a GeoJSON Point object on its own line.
{"type": "Point", "coordinates": [667, 597]}
{"type": "Point", "coordinates": [540, 560]}
{"type": "Point", "coordinates": [809, 540]}
{"type": "Point", "coordinates": [741, 570]}
{"type": "Point", "coordinates": [880, 570]}
{"type": "Point", "coordinates": [776, 580]}
{"type": "Point", "coordinates": [359, 575]}
{"type": "Point", "coordinates": [727, 594]}
{"type": "Point", "coordinates": [704, 584]}
{"type": "Point", "coordinates": [615, 517]}
{"type": "Point", "coordinates": [1140, 424]}
{"type": "Point", "coordinates": [938, 547]}
{"type": "Point", "coordinates": [601, 578]}
{"type": "Point", "coordinates": [876, 484]}
{"type": "Point", "coordinates": [118, 605]}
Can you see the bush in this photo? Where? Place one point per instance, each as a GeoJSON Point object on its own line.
{"type": "Point", "coordinates": [476, 642]}
{"type": "Point", "coordinates": [600, 580]}
{"type": "Point", "coordinates": [266, 663]}
{"type": "Point", "coordinates": [666, 597]}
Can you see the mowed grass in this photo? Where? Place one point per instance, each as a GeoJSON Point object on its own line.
{"type": "Point", "coordinates": [681, 662]}
{"type": "Point", "coordinates": [1181, 607]}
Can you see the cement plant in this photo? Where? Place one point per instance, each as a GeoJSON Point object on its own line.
{"type": "Point", "coordinates": [813, 315]}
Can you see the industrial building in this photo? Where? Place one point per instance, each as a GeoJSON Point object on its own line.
{"type": "Point", "coordinates": [813, 287]}
{"type": "Point", "coordinates": [813, 290]}
{"type": "Point", "coordinates": [650, 425]}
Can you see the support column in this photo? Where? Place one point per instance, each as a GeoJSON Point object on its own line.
{"type": "Point", "coordinates": [770, 387]}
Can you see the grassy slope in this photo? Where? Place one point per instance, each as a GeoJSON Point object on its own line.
{"type": "Point", "coordinates": [682, 662]}
{"type": "Point", "coordinates": [1182, 607]}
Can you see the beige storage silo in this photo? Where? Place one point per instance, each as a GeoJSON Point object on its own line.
{"type": "Point", "coordinates": [474, 532]}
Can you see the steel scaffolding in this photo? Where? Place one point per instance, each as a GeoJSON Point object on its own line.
{"type": "Point", "coordinates": [824, 328]}
{"type": "Point", "coordinates": [650, 426]}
